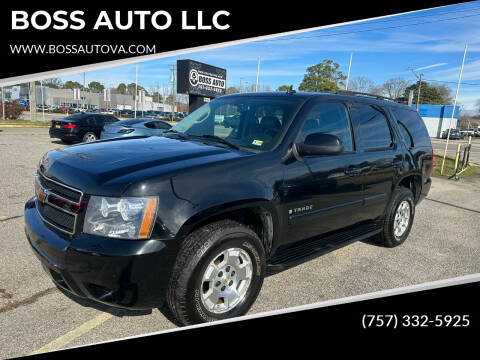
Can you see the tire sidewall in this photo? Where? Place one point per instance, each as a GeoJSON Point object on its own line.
{"type": "Point", "coordinates": [405, 195]}
{"type": "Point", "coordinates": [194, 306]}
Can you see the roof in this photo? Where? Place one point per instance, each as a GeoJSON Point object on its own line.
{"type": "Point", "coordinates": [345, 96]}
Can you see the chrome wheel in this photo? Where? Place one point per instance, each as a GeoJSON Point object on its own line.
{"type": "Point", "coordinates": [226, 280]}
{"type": "Point", "coordinates": [402, 219]}
{"type": "Point", "coordinates": [89, 137]}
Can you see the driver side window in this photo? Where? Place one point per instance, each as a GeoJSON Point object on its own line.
{"type": "Point", "coordinates": [330, 118]}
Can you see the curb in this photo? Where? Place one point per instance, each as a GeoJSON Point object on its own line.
{"type": "Point", "coordinates": [23, 126]}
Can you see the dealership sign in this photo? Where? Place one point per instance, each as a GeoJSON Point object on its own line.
{"type": "Point", "coordinates": [196, 78]}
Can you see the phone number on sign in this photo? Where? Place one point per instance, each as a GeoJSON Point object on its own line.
{"type": "Point", "coordinates": [394, 321]}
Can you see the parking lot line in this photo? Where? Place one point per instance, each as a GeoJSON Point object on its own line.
{"type": "Point", "coordinates": [75, 333]}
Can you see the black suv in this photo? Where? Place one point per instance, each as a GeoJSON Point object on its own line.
{"type": "Point", "coordinates": [245, 184]}
{"type": "Point", "coordinates": [85, 127]}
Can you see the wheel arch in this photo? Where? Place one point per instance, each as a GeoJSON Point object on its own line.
{"type": "Point", "coordinates": [412, 181]}
{"type": "Point", "coordinates": [257, 214]}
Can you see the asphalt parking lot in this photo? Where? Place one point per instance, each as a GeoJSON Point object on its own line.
{"type": "Point", "coordinates": [35, 316]}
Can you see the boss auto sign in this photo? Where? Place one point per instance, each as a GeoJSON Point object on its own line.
{"type": "Point", "coordinates": [201, 79]}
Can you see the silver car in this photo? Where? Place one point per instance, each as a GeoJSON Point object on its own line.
{"type": "Point", "coordinates": [135, 127]}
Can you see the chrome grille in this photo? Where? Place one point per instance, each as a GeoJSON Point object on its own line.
{"type": "Point", "coordinates": [55, 202]}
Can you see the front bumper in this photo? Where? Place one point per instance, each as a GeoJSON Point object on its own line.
{"type": "Point", "coordinates": [123, 273]}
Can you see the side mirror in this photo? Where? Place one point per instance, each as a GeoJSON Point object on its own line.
{"type": "Point", "coordinates": [320, 144]}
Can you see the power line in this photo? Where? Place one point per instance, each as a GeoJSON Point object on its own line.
{"type": "Point", "coordinates": [367, 30]}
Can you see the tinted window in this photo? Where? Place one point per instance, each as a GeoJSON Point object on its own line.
{"type": "Point", "coordinates": [253, 122]}
{"type": "Point", "coordinates": [330, 118]}
{"type": "Point", "coordinates": [373, 130]}
{"type": "Point", "coordinates": [414, 123]}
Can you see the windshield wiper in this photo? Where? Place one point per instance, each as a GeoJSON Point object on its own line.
{"type": "Point", "coordinates": [216, 138]}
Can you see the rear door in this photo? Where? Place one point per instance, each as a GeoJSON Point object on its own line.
{"type": "Point", "coordinates": [380, 155]}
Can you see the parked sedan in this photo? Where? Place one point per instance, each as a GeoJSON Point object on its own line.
{"type": "Point", "coordinates": [455, 134]}
{"type": "Point", "coordinates": [83, 127]}
{"type": "Point", "coordinates": [135, 127]}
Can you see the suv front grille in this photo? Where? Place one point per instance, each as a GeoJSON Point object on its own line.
{"type": "Point", "coordinates": [58, 218]}
{"type": "Point", "coordinates": [60, 190]}
{"type": "Point", "coordinates": [58, 205]}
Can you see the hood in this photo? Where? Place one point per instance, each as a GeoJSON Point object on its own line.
{"type": "Point", "coordinates": [108, 167]}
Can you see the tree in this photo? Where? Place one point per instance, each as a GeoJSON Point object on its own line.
{"type": "Point", "coordinates": [428, 94]}
{"type": "Point", "coordinates": [122, 88]}
{"type": "Point", "coordinates": [72, 85]}
{"type": "Point", "coordinates": [232, 90]}
{"type": "Point", "coordinates": [96, 87]}
{"type": "Point", "coordinates": [362, 84]}
{"type": "Point", "coordinates": [283, 88]}
{"type": "Point", "coordinates": [445, 92]}
{"type": "Point", "coordinates": [54, 83]}
{"type": "Point", "coordinates": [324, 76]}
{"type": "Point", "coordinates": [394, 88]}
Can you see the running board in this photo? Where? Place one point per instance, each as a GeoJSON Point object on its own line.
{"type": "Point", "coordinates": [311, 248]}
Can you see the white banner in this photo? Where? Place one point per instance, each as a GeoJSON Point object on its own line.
{"type": "Point", "coordinates": [76, 94]}
{"type": "Point", "coordinates": [141, 96]}
{"type": "Point", "coordinates": [106, 95]}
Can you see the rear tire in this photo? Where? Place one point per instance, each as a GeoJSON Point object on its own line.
{"type": "Point", "coordinates": [399, 218]}
{"type": "Point", "coordinates": [89, 137]}
{"type": "Point", "coordinates": [218, 273]}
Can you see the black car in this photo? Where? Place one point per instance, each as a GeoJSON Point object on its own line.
{"type": "Point", "coordinates": [195, 217]}
{"type": "Point", "coordinates": [84, 127]}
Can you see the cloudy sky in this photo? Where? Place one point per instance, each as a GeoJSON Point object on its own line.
{"type": "Point", "coordinates": [431, 41]}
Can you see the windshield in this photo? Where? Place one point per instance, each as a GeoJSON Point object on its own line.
{"type": "Point", "coordinates": [251, 122]}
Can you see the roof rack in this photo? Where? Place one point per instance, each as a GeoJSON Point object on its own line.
{"type": "Point", "coordinates": [357, 93]}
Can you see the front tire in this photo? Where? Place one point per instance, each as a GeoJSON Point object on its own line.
{"type": "Point", "coordinates": [399, 218]}
{"type": "Point", "coordinates": [218, 273]}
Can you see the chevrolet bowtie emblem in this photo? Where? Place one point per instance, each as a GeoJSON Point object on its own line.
{"type": "Point", "coordinates": [41, 195]}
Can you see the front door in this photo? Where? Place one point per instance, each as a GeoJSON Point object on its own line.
{"type": "Point", "coordinates": [323, 193]}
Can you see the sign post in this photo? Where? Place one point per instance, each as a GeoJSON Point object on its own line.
{"type": "Point", "coordinates": [201, 82]}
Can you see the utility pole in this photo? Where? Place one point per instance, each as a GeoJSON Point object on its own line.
{"type": "Point", "coordinates": [349, 68]}
{"type": "Point", "coordinates": [172, 78]}
{"type": "Point", "coordinates": [454, 105]}
{"type": "Point", "coordinates": [83, 91]}
{"type": "Point", "coordinates": [258, 72]}
{"type": "Point", "coordinates": [43, 105]}
{"type": "Point", "coordinates": [136, 88]}
{"type": "Point", "coordinates": [419, 77]}
{"type": "Point", "coordinates": [32, 102]}
{"type": "Point", "coordinates": [3, 103]}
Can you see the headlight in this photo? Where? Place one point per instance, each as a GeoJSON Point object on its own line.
{"type": "Point", "coordinates": [126, 218]}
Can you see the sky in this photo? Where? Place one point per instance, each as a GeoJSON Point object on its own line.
{"type": "Point", "coordinates": [430, 41]}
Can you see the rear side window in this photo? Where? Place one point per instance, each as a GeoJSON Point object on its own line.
{"type": "Point", "coordinates": [372, 127]}
{"type": "Point", "coordinates": [330, 118]}
{"type": "Point", "coordinates": [412, 127]}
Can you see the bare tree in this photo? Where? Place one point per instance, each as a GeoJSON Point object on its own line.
{"type": "Point", "coordinates": [445, 92]}
{"type": "Point", "coordinates": [361, 84]}
{"type": "Point", "coordinates": [394, 87]}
